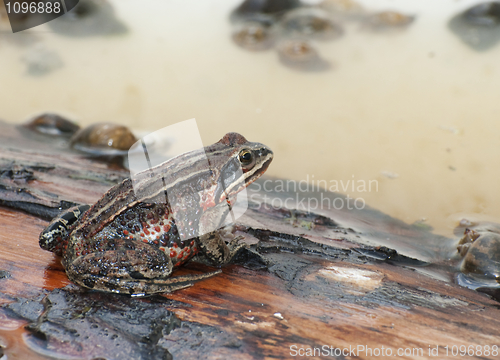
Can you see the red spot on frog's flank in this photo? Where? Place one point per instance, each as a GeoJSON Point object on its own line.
{"type": "Point", "coordinates": [157, 228]}
{"type": "Point", "coordinates": [146, 231]}
{"type": "Point", "coordinates": [209, 203]}
{"type": "Point", "coordinates": [145, 241]}
{"type": "Point", "coordinates": [180, 255]}
{"type": "Point", "coordinates": [172, 253]}
{"type": "Point", "coordinates": [166, 228]}
{"type": "Point", "coordinates": [125, 232]}
{"type": "Point", "coordinates": [175, 245]}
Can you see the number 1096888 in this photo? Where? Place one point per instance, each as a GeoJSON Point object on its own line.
{"type": "Point", "coordinates": [33, 7]}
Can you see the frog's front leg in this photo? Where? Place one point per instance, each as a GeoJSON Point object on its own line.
{"type": "Point", "coordinates": [129, 267]}
{"type": "Point", "coordinates": [214, 248]}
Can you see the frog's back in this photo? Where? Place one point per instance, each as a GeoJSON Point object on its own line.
{"type": "Point", "coordinates": [119, 198]}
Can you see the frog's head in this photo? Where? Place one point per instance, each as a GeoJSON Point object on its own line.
{"type": "Point", "coordinates": [219, 171]}
{"type": "Point", "coordinates": [236, 163]}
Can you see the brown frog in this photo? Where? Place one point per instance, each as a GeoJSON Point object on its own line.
{"type": "Point", "coordinates": [129, 241]}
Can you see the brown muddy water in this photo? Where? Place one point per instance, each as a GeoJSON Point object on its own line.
{"type": "Point", "coordinates": [411, 111]}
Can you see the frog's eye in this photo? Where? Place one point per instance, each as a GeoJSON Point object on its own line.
{"type": "Point", "coordinates": [246, 157]}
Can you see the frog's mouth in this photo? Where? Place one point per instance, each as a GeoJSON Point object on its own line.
{"type": "Point", "coordinates": [236, 177]}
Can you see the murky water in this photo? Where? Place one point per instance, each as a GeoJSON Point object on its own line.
{"type": "Point", "coordinates": [414, 111]}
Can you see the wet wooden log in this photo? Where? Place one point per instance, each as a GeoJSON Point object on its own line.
{"type": "Point", "coordinates": [312, 284]}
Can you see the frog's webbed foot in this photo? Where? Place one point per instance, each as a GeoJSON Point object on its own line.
{"type": "Point", "coordinates": [128, 267]}
{"type": "Point", "coordinates": [214, 249]}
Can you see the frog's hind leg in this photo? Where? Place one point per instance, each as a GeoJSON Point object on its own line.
{"type": "Point", "coordinates": [136, 287]}
{"type": "Point", "coordinates": [129, 267]}
{"type": "Point", "coordinates": [54, 236]}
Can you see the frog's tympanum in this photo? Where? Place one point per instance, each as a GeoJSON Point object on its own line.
{"type": "Point", "coordinates": [129, 241]}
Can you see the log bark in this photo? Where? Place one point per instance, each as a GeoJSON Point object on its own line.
{"type": "Point", "coordinates": [349, 284]}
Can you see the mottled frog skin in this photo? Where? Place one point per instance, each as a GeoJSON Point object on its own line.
{"type": "Point", "coordinates": [128, 242]}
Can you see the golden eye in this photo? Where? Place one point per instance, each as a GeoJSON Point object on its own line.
{"type": "Point", "coordinates": [246, 157]}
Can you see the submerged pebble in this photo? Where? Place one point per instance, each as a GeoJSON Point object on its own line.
{"type": "Point", "coordinates": [388, 20]}
{"type": "Point", "coordinates": [52, 124]}
{"type": "Point", "coordinates": [478, 26]}
{"type": "Point", "coordinates": [485, 14]}
{"type": "Point", "coordinates": [348, 9]}
{"type": "Point", "coordinates": [89, 18]}
{"type": "Point", "coordinates": [312, 23]}
{"type": "Point", "coordinates": [301, 55]}
{"type": "Point", "coordinates": [297, 51]}
{"type": "Point", "coordinates": [270, 9]}
{"type": "Point", "coordinates": [253, 35]}
{"type": "Point", "coordinates": [41, 60]}
{"type": "Point", "coordinates": [103, 139]}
